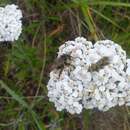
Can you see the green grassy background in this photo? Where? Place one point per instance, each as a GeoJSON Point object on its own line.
{"type": "Point", "coordinates": [24, 65]}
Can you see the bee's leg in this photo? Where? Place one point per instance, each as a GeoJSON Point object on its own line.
{"type": "Point", "coordinates": [90, 69]}
{"type": "Point", "coordinates": [60, 71]}
{"type": "Point", "coordinates": [61, 68]}
{"type": "Point", "coordinates": [67, 64]}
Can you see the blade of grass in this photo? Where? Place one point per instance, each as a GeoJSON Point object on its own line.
{"type": "Point", "coordinates": [106, 18]}
{"type": "Point", "coordinates": [73, 13]}
{"type": "Point", "coordinates": [87, 15]}
{"type": "Point", "coordinates": [23, 103]}
{"type": "Point", "coordinates": [88, 19]}
{"type": "Point", "coordinates": [39, 123]}
{"type": "Point", "coordinates": [7, 66]}
{"type": "Point", "coordinates": [21, 126]}
{"type": "Point", "coordinates": [42, 71]}
{"type": "Point", "coordinates": [43, 66]}
{"type": "Point", "coordinates": [7, 124]}
{"type": "Point", "coordinates": [122, 38]}
{"type": "Point", "coordinates": [109, 3]}
{"type": "Point", "coordinates": [13, 94]}
{"type": "Point", "coordinates": [86, 119]}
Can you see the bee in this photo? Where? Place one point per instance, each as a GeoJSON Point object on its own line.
{"type": "Point", "coordinates": [99, 64]}
{"type": "Point", "coordinates": [61, 62]}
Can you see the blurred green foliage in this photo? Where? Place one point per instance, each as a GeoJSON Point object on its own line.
{"type": "Point", "coordinates": [25, 66]}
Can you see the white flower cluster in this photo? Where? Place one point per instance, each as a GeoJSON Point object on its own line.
{"type": "Point", "coordinates": [128, 74]}
{"type": "Point", "coordinates": [75, 87]}
{"type": "Point", "coordinates": [10, 23]}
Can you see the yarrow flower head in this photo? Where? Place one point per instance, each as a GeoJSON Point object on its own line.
{"type": "Point", "coordinates": [85, 81]}
{"type": "Point", "coordinates": [10, 23]}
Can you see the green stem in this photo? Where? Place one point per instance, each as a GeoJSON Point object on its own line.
{"type": "Point", "coordinates": [86, 119]}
